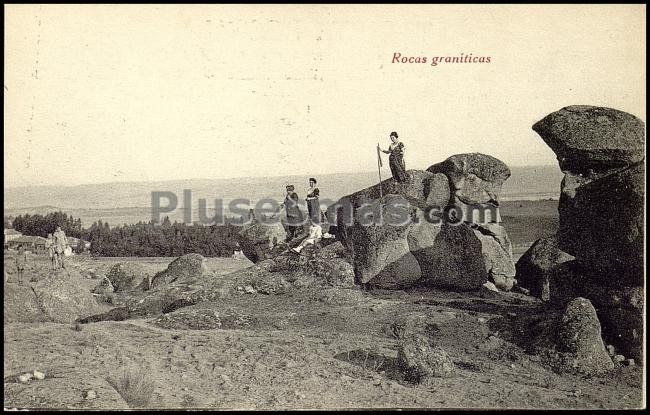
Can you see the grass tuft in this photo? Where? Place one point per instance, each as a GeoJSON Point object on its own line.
{"type": "Point", "coordinates": [136, 386]}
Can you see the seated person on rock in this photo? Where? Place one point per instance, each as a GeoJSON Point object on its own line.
{"type": "Point", "coordinates": [315, 235]}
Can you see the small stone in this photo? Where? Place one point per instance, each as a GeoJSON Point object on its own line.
{"type": "Point", "coordinates": [249, 289]}
{"type": "Point", "coordinates": [511, 314]}
{"type": "Point", "coordinates": [490, 286]}
{"type": "Point", "coordinates": [630, 362]}
{"type": "Point", "coordinates": [25, 377]}
{"type": "Point", "coordinates": [240, 288]}
{"type": "Point", "coordinates": [482, 320]}
{"type": "Point", "coordinates": [611, 350]}
{"type": "Point", "coordinates": [39, 375]}
{"type": "Point", "coordinates": [619, 358]}
{"type": "Point", "coordinates": [90, 394]}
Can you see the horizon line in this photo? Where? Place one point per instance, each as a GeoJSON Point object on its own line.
{"type": "Point", "coordinates": [219, 178]}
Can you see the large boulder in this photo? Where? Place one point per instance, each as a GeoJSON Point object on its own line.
{"type": "Point", "coordinates": [602, 223]}
{"type": "Point", "coordinates": [498, 261]}
{"type": "Point", "coordinates": [126, 275]}
{"type": "Point", "coordinates": [260, 241]}
{"type": "Point", "coordinates": [377, 246]}
{"type": "Point", "coordinates": [602, 153]}
{"type": "Point", "coordinates": [475, 178]}
{"type": "Point", "coordinates": [587, 137]}
{"type": "Point", "coordinates": [412, 243]}
{"type": "Point", "coordinates": [20, 305]}
{"type": "Point", "coordinates": [454, 260]}
{"type": "Point", "coordinates": [63, 301]}
{"type": "Point", "coordinates": [536, 266]}
{"type": "Point", "coordinates": [580, 336]}
{"type": "Point", "coordinates": [186, 268]}
{"type": "Point", "coordinates": [621, 312]}
{"type": "Point", "coordinates": [423, 189]}
{"type": "Point", "coordinates": [421, 363]}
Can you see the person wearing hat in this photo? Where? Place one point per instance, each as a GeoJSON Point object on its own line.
{"type": "Point", "coordinates": [396, 158]}
{"type": "Point", "coordinates": [294, 215]}
{"type": "Point", "coordinates": [313, 206]}
{"type": "Point", "coordinates": [60, 243]}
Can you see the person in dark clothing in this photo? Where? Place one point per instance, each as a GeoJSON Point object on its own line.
{"type": "Point", "coordinates": [313, 206]}
{"type": "Point", "coordinates": [396, 158]}
{"type": "Point", "coordinates": [21, 263]}
{"type": "Point", "coordinates": [294, 215]}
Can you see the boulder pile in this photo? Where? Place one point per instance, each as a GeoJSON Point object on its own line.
{"type": "Point", "coordinates": [439, 229]}
{"type": "Point", "coordinates": [601, 152]}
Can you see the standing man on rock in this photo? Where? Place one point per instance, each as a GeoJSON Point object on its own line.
{"type": "Point", "coordinates": [60, 243]}
{"type": "Point", "coordinates": [49, 245]}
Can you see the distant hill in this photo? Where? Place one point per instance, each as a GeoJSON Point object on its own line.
{"type": "Point", "coordinates": [120, 203]}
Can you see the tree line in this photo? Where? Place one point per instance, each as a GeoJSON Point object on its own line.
{"type": "Point", "coordinates": [140, 239]}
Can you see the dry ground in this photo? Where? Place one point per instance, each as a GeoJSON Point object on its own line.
{"type": "Point", "coordinates": [300, 350]}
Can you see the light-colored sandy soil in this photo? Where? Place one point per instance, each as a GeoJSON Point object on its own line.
{"type": "Point", "coordinates": [299, 350]}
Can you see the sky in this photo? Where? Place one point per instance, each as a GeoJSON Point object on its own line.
{"type": "Point", "coordinates": [104, 93]}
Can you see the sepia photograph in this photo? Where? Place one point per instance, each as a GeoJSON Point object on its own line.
{"type": "Point", "coordinates": [335, 207]}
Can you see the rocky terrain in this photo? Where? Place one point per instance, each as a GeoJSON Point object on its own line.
{"type": "Point", "coordinates": [425, 314]}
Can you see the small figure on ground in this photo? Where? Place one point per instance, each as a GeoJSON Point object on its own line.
{"type": "Point", "coordinates": [313, 205]}
{"type": "Point", "coordinates": [315, 236]}
{"type": "Point", "coordinates": [60, 243]}
{"type": "Point", "coordinates": [49, 245]}
{"type": "Point", "coordinates": [21, 263]}
{"type": "Point", "coordinates": [294, 215]}
{"type": "Point", "coordinates": [396, 158]}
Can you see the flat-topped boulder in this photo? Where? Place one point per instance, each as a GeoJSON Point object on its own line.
{"type": "Point", "coordinates": [588, 137]}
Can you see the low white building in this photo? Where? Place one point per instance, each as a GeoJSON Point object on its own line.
{"type": "Point", "coordinates": [11, 234]}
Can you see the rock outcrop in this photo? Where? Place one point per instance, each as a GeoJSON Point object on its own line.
{"type": "Point", "coordinates": [20, 305]}
{"type": "Point", "coordinates": [475, 178]}
{"type": "Point", "coordinates": [539, 265]}
{"type": "Point", "coordinates": [63, 301]}
{"type": "Point", "coordinates": [580, 336]}
{"type": "Point", "coordinates": [587, 137]}
{"type": "Point", "coordinates": [420, 362]}
{"type": "Point", "coordinates": [187, 267]}
{"type": "Point", "coordinates": [126, 275]}
{"type": "Point", "coordinates": [260, 241]}
{"type": "Point", "coordinates": [602, 154]}
{"type": "Point", "coordinates": [417, 241]}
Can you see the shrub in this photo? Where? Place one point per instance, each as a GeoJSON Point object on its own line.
{"type": "Point", "coordinates": [136, 386]}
